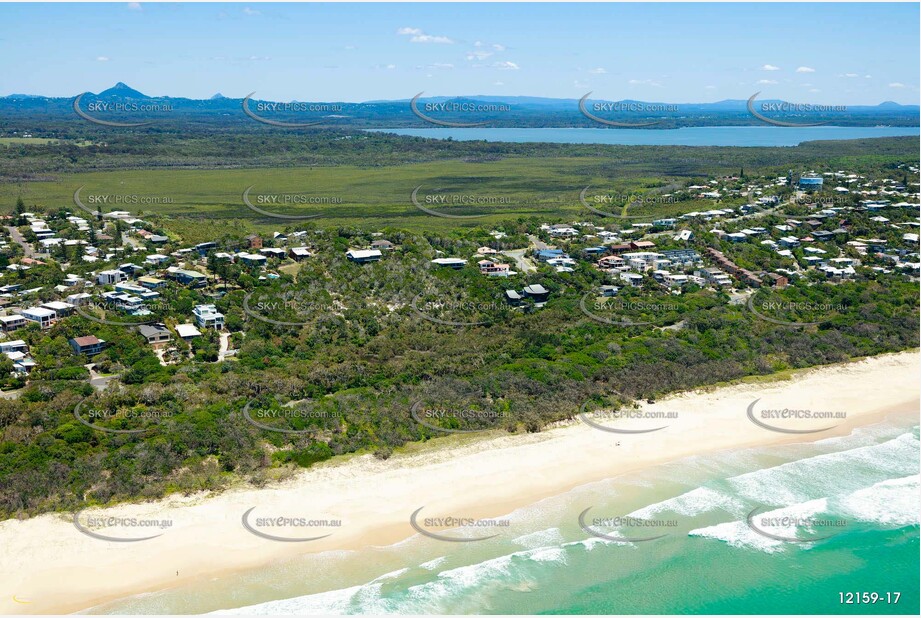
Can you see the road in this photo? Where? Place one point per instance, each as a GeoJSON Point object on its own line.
{"type": "Point", "coordinates": [524, 265]}
{"type": "Point", "coordinates": [99, 382]}
{"type": "Point", "coordinates": [18, 238]}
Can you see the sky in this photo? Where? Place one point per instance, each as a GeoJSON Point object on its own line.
{"type": "Point", "coordinates": [849, 54]}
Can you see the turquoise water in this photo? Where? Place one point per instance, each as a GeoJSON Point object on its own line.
{"type": "Point", "coordinates": [686, 136]}
{"type": "Point", "coordinates": [711, 561]}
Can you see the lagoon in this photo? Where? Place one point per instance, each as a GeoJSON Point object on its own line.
{"type": "Point", "coordinates": [685, 136]}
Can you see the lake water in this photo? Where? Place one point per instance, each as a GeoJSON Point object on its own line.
{"type": "Point", "coordinates": [685, 136]}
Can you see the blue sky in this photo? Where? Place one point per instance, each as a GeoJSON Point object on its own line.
{"type": "Point", "coordinates": [676, 53]}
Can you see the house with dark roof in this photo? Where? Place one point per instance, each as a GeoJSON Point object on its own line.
{"type": "Point", "coordinates": [88, 345]}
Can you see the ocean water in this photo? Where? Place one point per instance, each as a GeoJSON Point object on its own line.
{"type": "Point", "coordinates": [856, 496]}
{"type": "Point", "coordinates": [685, 136]}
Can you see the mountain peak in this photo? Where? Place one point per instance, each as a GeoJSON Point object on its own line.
{"type": "Point", "coordinates": [123, 90]}
{"type": "Point", "coordinates": [218, 96]}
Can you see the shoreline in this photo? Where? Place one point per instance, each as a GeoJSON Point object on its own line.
{"type": "Point", "coordinates": [55, 569]}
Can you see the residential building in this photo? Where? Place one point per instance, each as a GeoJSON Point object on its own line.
{"type": "Point", "coordinates": [363, 256]}
{"type": "Point", "coordinates": [89, 345]}
{"type": "Point", "coordinates": [207, 316]}
{"type": "Point", "coordinates": [156, 334]}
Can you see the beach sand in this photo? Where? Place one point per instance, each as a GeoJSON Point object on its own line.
{"type": "Point", "coordinates": [48, 566]}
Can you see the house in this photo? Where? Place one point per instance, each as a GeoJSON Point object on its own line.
{"type": "Point", "coordinates": [207, 316]}
{"type": "Point", "coordinates": [61, 309]}
{"type": "Point", "coordinates": [642, 245]}
{"type": "Point", "coordinates": [156, 259]}
{"type": "Point", "coordinates": [790, 242]}
{"type": "Point", "coordinates": [513, 298]}
{"type": "Point", "coordinates": [536, 292]}
{"type": "Point", "coordinates": [131, 269]}
{"type": "Point", "coordinates": [363, 256]}
{"type": "Point", "coordinates": [631, 279]}
{"type": "Point", "coordinates": [609, 291]}
{"type": "Point", "coordinates": [273, 252]}
{"type": "Point", "coordinates": [486, 251]}
{"type": "Point", "coordinates": [382, 244]}
{"type": "Point", "coordinates": [611, 261]}
{"type": "Point", "coordinates": [548, 254]}
{"type": "Point", "coordinates": [455, 263]}
{"type": "Point", "coordinates": [205, 247]}
{"type": "Point", "coordinates": [40, 315]}
{"type": "Point", "coordinates": [191, 278]}
{"type": "Point", "coordinates": [299, 253]}
{"type": "Point", "coordinates": [252, 259]}
{"type": "Point", "coordinates": [620, 248]}
{"type": "Point", "coordinates": [110, 277]}
{"type": "Point", "coordinates": [777, 281]}
{"type": "Point", "coordinates": [89, 345]}
{"type": "Point", "coordinates": [493, 269]}
{"type": "Point", "coordinates": [736, 237]}
{"type": "Point", "coordinates": [17, 345]}
{"type": "Point", "coordinates": [187, 331]}
{"type": "Point", "coordinates": [10, 323]}
{"type": "Point", "coordinates": [154, 238]}
{"type": "Point", "coordinates": [79, 299]}
{"type": "Point", "coordinates": [156, 334]}
{"type": "Point", "coordinates": [682, 256]}
{"type": "Point", "coordinates": [253, 241]}
{"type": "Point", "coordinates": [151, 283]}
{"type": "Point", "coordinates": [665, 223]}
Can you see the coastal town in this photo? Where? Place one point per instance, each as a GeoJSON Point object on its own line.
{"type": "Point", "coordinates": [116, 268]}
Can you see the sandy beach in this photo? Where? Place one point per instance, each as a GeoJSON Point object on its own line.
{"type": "Point", "coordinates": [49, 566]}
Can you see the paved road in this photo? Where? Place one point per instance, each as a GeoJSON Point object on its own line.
{"type": "Point", "coordinates": [21, 241]}
{"type": "Point", "coordinates": [524, 265]}
{"type": "Point", "coordinates": [99, 382]}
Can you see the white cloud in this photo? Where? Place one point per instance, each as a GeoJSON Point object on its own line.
{"type": "Point", "coordinates": [766, 82]}
{"type": "Point", "coordinates": [805, 70]}
{"type": "Point", "coordinates": [868, 77]}
{"type": "Point", "coordinates": [770, 67]}
{"type": "Point", "coordinates": [710, 87]}
{"type": "Point", "coordinates": [478, 54]}
{"type": "Point", "coordinates": [814, 90]}
{"type": "Point", "coordinates": [644, 82]}
{"type": "Point", "coordinates": [416, 35]}
{"type": "Point", "coordinates": [597, 71]}
{"type": "Point", "coordinates": [102, 58]}
{"type": "Point", "coordinates": [498, 84]}
{"type": "Point", "coordinates": [134, 6]}
{"type": "Point", "coordinates": [436, 66]}
{"type": "Point", "coordinates": [896, 85]}
{"type": "Point", "coordinates": [249, 11]}
{"type": "Point", "coordinates": [851, 75]}
{"type": "Point", "coordinates": [498, 47]}
{"type": "Point", "coordinates": [390, 67]}
{"type": "Point", "coordinates": [505, 65]}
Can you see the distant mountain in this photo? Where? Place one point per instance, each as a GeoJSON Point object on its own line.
{"type": "Point", "coordinates": [217, 97]}
{"type": "Point", "coordinates": [123, 91]}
